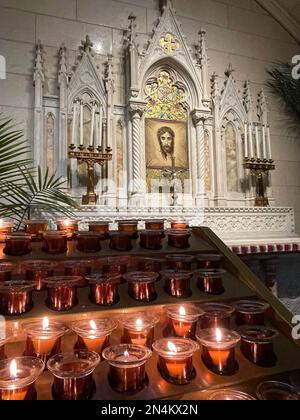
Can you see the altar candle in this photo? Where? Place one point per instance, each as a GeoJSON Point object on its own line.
{"type": "Point", "coordinates": [264, 142]}
{"type": "Point", "coordinates": [246, 141]}
{"type": "Point", "coordinates": [74, 122]}
{"type": "Point", "coordinates": [257, 142]}
{"type": "Point", "coordinates": [81, 123]}
{"type": "Point", "coordinates": [269, 142]}
{"type": "Point", "coordinates": [100, 126]}
{"type": "Point", "coordinates": [92, 124]}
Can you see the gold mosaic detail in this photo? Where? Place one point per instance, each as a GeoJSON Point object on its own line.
{"type": "Point", "coordinates": [169, 44]}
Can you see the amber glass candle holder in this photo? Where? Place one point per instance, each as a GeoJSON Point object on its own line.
{"type": "Point", "coordinates": [151, 239]}
{"type": "Point", "coordinates": [182, 320]}
{"type": "Point", "coordinates": [78, 268]}
{"type": "Point", "coordinates": [210, 281]}
{"type": "Point", "coordinates": [70, 226]}
{"type": "Point", "coordinates": [209, 261]}
{"type": "Point", "coordinates": [121, 241]}
{"type": "Point", "coordinates": [180, 262]}
{"type": "Point", "coordinates": [141, 286]}
{"type": "Point", "coordinates": [43, 338]}
{"type": "Point", "coordinates": [6, 270]}
{"type": "Point", "coordinates": [155, 224]}
{"type": "Point", "coordinates": [250, 312]}
{"type": "Point", "coordinates": [5, 336]}
{"type": "Point", "coordinates": [37, 271]}
{"type": "Point", "coordinates": [179, 238]}
{"type": "Point", "coordinates": [100, 227]}
{"type": "Point", "coordinates": [55, 242]}
{"type": "Point", "coordinates": [277, 391]}
{"type": "Point", "coordinates": [104, 289]}
{"type": "Point", "coordinates": [257, 345]}
{"type": "Point", "coordinates": [175, 359]}
{"type": "Point", "coordinates": [16, 297]}
{"type": "Point", "coordinates": [93, 335]}
{"type": "Point", "coordinates": [129, 226]}
{"type": "Point", "coordinates": [177, 283]}
{"type": "Point", "coordinates": [73, 375]}
{"type": "Point", "coordinates": [115, 265]}
{"type": "Point", "coordinates": [230, 395]}
{"type": "Point", "coordinates": [89, 242]}
{"type": "Point", "coordinates": [179, 224]}
{"type": "Point", "coordinates": [17, 378]}
{"type": "Point", "coordinates": [36, 228]}
{"type": "Point", "coordinates": [127, 367]}
{"type": "Point", "coordinates": [6, 227]}
{"type": "Point", "coordinates": [17, 244]}
{"type": "Point", "coordinates": [216, 315]}
{"type": "Point", "coordinates": [153, 265]}
{"type": "Point", "coordinates": [138, 329]}
{"type": "Point", "coordinates": [62, 292]}
{"type": "Point", "coordinates": [218, 350]}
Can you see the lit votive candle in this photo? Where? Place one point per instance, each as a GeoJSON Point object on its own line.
{"type": "Point", "coordinates": [182, 320]}
{"type": "Point", "coordinates": [175, 359]}
{"type": "Point", "coordinates": [44, 338]}
{"type": "Point", "coordinates": [250, 312]}
{"type": "Point", "coordinates": [177, 283]}
{"type": "Point", "coordinates": [69, 226]}
{"type": "Point", "coordinates": [115, 265]}
{"type": "Point", "coordinates": [277, 391]}
{"type": "Point", "coordinates": [178, 224]}
{"type": "Point", "coordinates": [100, 227]}
{"type": "Point", "coordinates": [257, 345]}
{"type": "Point", "coordinates": [37, 271]}
{"type": "Point", "coordinates": [78, 268]}
{"type": "Point", "coordinates": [216, 315]}
{"type": "Point", "coordinates": [218, 350]}
{"type": "Point", "coordinates": [230, 395]}
{"type": "Point", "coordinates": [89, 242]}
{"type": "Point", "coordinates": [6, 270]}
{"type": "Point", "coordinates": [209, 261]}
{"type": "Point", "coordinates": [17, 244]}
{"type": "Point", "coordinates": [6, 227]}
{"type": "Point", "coordinates": [151, 239]}
{"type": "Point", "coordinates": [121, 241]}
{"type": "Point", "coordinates": [73, 375]}
{"type": "Point", "coordinates": [179, 238]}
{"type": "Point", "coordinates": [94, 335]}
{"type": "Point", "coordinates": [62, 292]}
{"type": "Point", "coordinates": [180, 262]}
{"type": "Point", "coordinates": [36, 228]}
{"type": "Point", "coordinates": [211, 281]}
{"type": "Point", "coordinates": [16, 297]}
{"type": "Point", "coordinates": [138, 329]}
{"type": "Point", "coordinates": [129, 226]}
{"type": "Point", "coordinates": [55, 242]}
{"type": "Point", "coordinates": [104, 289]}
{"type": "Point", "coordinates": [17, 378]}
{"type": "Point", "coordinates": [141, 286]}
{"type": "Point", "coordinates": [127, 367]}
{"type": "Point", "coordinates": [155, 224]}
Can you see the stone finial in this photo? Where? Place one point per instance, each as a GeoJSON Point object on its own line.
{"type": "Point", "coordinates": [247, 97]}
{"type": "Point", "coordinates": [214, 86]}
{"type": "Point", "coordinates": [86, 45]}
{"type": "Point", "coordinates": [229, 71]}
{"type": "Point", "coordinates": [262, 106]}
{"type": "Point", "coordinates": [63, 66]}
{"type": "Point", "coordinates": [132, 28]}
{"type": "Point", "coordinates": [201, 51]}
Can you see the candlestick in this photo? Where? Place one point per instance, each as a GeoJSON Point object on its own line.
{"type": "Point", "coordinates": [100, 227]}
{"type": "Point", "coordinates": [246, 141]}
{"type": "Point", "coordinates": [93, 335]}
{"type": "Point", "coordinates": [269, 143]}
{"type": "Point", "coordinates": [216, 315]}
{"type": "Point", "coordinates": [138, 329]}
{"type": "Point", "coordinates": [92, 124]}
{"type": "Point", "coordinates": [73, 375]}
{"type": "Point", "coordinates": [264, 142]}
{"type": "Point", "coordinates": [218, 350]}
{"type": "Point", "coordinates": [6, 270]}
{"type": "Point", "coordinates": [177, 283]}
{"type": "Point", "coordinates": [251, 141]}
{"type": "Point", "coordinates": [44, 338]}
{"type": "Point", "coordinates": [37, 271]}
{"type": "Point", "coordinates": [180, 262]}
{"type": "Point", "coordinates": [62, 292]}
{"type": "Point", "coordinates": [55, 242]}
{"type": "Point", "coordinates": [250, 312]}
{"type": "Point", "coordinates": [179, 238]}
{"type": "Point", "coordinates": [257, 142]}
{"type": "Point", "coordinates": [69, 226]}
{"type": "Point", "coordinates": [17, 378]}
{"type": "Point", "coordinates": [277, 391]}
{"type": "Point", "coordinates": [141, 286]}
{"type": "Point", "coordinates": [6, 227]}
{"type": "Point", "coordinates": [17, 244]}
{"type": "Point", "coordinates": [104, 289]}
{"type": "Point", "coordinates": [73, 141]}
{"type": "Point", "coordinates": [211, 281]}
{"type": "Point", "coordinates": [151, 239]}
{"type": "Point", "coordinates": [182, 320]}
{"type": "Point", "coordinates": [100, 125]}
{"type": "Point", "coordinates": [209, 261]}
{"type": "Point", "coordinates": [36, 228]}
{"type": "Point", "coordinates": [78, 268]}
{"type": "Point", "coordinates": [230, 395]}
{"type": "Point", "coordinates": [120, 241]}
{"type": "Point", "coordinates": [175, 359]}
{"type": "Point", "coordinates": [127, 371]}
{"type": "Point", "coordinates": [155, 224]}
{"type": "Point", "coordinates": [81, 123]}
{"type": "Point", "coordinates": [89, 242]}
{"type": "Point", "coordinates": [16, 297]}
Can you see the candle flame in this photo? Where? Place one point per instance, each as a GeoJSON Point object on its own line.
{"type": "Point", "coordinates": [13, 369]}
{"type": "Point", "coordinates": [126, 354]}
{"type": "Point", "coordinates": [218, 335]}
{"type": "Point", "coordinates": [67, 223]}
{"type": "Point", "coordinates": [139, 322]}
{"type": "Point", "coordinates": [93, 325]}
{"type": "Point", "coordinates": [45, 323]}
{"type": "Point", "coordinates": [172, 347]}
{"type": "Point", "coordinates": [182, 311]}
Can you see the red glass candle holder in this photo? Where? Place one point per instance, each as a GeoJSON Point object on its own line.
{"type": "Point", "coordinates": [43, 338]}
{"type": "Point", "coordinates": [16, 297]}
{"type": "Point", "coordinates": [151, 239]}
{"type": "Point", "coordinates": [5, 336]}
{"type": "Point", "coordinates": [115, 265]}
{"type": "Point", "coordinates": [93, 335]}
{"type": "Point", "coordinates": [129, 226]}
{"type": "Point", "coordinates": [100, 227]}
{"type": "Point", "coordinates": [230, 395]}
{"type": "Point", "coordinates": [218, 350]}
{"type": "Point", "coordinates": [6, 270]}
{"type": "Point", "coordinates": [55, 242]}
{"type": "Point", "coordinates": [216, 315]}
{"type": "Point", "coordinates": [210, 281]}
{"type": "Point", "coordinates": [141, 286]}
{"type": "Point", "coordinates": [70, 226]}
{"type": "Point", "coordinates": [121, 241]}
{"type": "Point", "coordinates": [277, 391]}
{"type": "Point", "coordinates": [182, 320]}
{"type": "Point", "coordinates": [179, 238]}
{"type": "Point", "coordinates": [153, 265]}
{"type": "Point", "coordinates": [73, 375]}
{"type": "Point", "coordinates": [89, 242]}
{"type": "Point", "coordinates": [179, 224]}
{"type": "Point", "coordinates": [209, 261]}
{"type": "Point", "coordinates": [17, 244]}
{"type": "Point", "coordinates": [104, 289]}
{"type": "Point", "coordinates": [177, 283]}
{"type": "Point", "coordinates": [36, 228]}
{"type": "Point", "coordinates": [155, 224]}
{"type": "Point", "coordinates": [17, 378]}
{"type": "Point", "coordinates": [138, 329]}
{"type": "Point", "coordinates": [180, 262]}
{"type": "Point", "coordinates": [175, 359]}
{"type": "Point", "coordinates": [6, 227]}
{"type": "Point", "coordinates": [62, 293]}
{"type": "Point", "coordinates": [78, 268]}
{"type": "Point", "coordinates": [257, 345]}
{"type": "Point", "coordinates": [127, 367]}
{"type": "Point", "coordinates": [37, 271]}
{"type": "Point", "coordinates": [250, 312]}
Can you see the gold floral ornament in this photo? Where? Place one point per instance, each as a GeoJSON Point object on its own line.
{"type": "Point", "coordinates": [169, 44]}
{"type": "Point", "coordinates": [166, 100]}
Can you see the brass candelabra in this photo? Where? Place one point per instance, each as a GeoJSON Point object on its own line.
{"type": "Point", "coordinates": [258, 168]}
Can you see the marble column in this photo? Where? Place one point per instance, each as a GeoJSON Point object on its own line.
{"type": "Point", "coordinates": [136, 112]}
{"type": "Point", "coordinates": [198, 120]}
